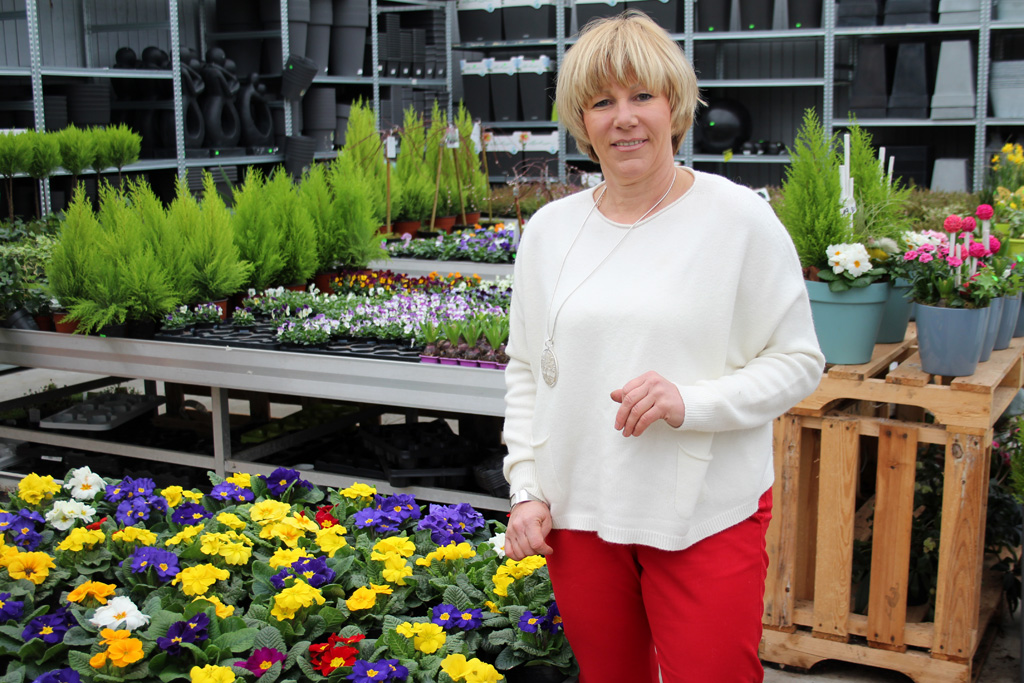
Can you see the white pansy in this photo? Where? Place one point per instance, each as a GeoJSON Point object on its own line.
{"type": "Point", "coordinates": [117, 612]}
{"type": "Point", "coordinates": [498, 541]}
{"type": "Point", "coordinates": [85, 484]}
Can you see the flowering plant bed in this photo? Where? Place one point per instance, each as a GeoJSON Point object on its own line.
{"type": "Point", "coordinates": [261, 578]}
{"type": "Point", "coordinates": [483, 245]}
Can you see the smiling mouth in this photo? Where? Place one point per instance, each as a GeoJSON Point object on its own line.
{"type": "Point", "coordinates": [626, 144]}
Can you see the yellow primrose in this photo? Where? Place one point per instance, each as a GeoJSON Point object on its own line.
{"type": "Point", "coordinates": [80, 538]}
{"type": "Point", "coordinates": [212, 543]}
{"type": "Point", "coordinates": [236, 553]}
{"type": "Point", "coordinates": [212, 674]}
{"type": "Point", "coordinates": [197, 580]}
{"type": "Point", "coordinates": [491, 607]}
{"type": "Point", "coordinates": [284, 557]}
{"type": "Point", "coordinates": [92, 589]}
{"type": "Point", "coordinates": [396, 569]}
{"type": "Point", "coordinates": [295, 597]}
{"type": "Point", "coordinates": [455, 666]}
{"type": "Point", "coordinates": [33, 489]}
{"type": "Point", "coordinates": [134, 534]}
{"type": "Point", "coordinates": [194, 496]}
{"type": "Point", "coordinates": [32, 566]}
{"type": "Point", "coordinates": [447, 553]}
{"type": "Point", "coordinates": [7, 552]}
{"type": "Point", "coordinates": [172, 494]}
{"type": "Point", "coordinates": [287, 534]}
{"type": "Point", "coordinates": [359, 491]}
{"type": "Point", "coordinates": [231, 520]}
{"type": "Point", "coordinates": [241, 479]}
{"type": "Point", "coordinates": [366, 597]}
{"type": "Point", "coordinates": [399, 545]}
{"type": "Point", "coordinates": [427, 638]}
{"type": "Point", "coordinates": [185, 535]}
{"type": "Point", "coordinates": [331, 540]}
{"type": "Point", "coordinates": [267, 511]}
{"type": "Point", "coordinates": [223, 611]}
{"type": "Point", "coordinates": [300, 521]}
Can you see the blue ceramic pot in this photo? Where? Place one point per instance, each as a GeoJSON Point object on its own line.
{"type": "Point", "coordinates": [994, 317]}
{"type": "Point", "coordinates": [1018, 330]}
{"type": "Point", "coordinates": [950, 339]}
{"type": "Point", "coordinates": [1008, 321]}
{"type": "Point", "coordinates": [897, 313]}
{"type": "Point", "coordinates": [847, 322]}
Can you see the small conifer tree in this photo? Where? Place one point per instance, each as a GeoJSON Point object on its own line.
{"type": "Point", "coordinates": [258, 239]}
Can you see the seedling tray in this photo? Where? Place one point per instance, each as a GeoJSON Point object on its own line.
{"type": "Point", "coordinates": [426, 453]}
{"type": "Point", "coordinates": [101, 412]}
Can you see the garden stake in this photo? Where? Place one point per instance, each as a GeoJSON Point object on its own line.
{"type": "Point", "coordinates": [519, 213]}
{"type": "Point", "coordinates": [387, 189]}
{"type": "Point", "coordinates": [490, 202]}
{"type": "Point", "coordinates": [458, 181]}
{"type": "Point", "coordinates": [437, 181]}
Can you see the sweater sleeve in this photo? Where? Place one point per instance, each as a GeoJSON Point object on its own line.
{"type": "Point", "coordinates": [771, 304]}
{"type": "Point", "coordinates": [520, 393]}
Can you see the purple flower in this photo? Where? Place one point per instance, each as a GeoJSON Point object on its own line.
{"type": "Point", "coordinates": [399, 507]}
{"type": "Point", "coordinates": [367, 518]}
{"type": "Point", "coordinates": [228, 491]}
{"type": "Point", "coordinates": [278, 579]}
{"type": "Point", "coordinates": [163, 562]}
{"type": "Point", "coordinates": [444, 616]}
{"type": "Point", "coordinates": [7, 521]}
{"type": "Point", "coordinates": [177, 633]}
{"type": "Point", "coordinates": [261, 660]}
{"type": "Point", "coordinates": [30, 516]}
{"type": "Point", "coordinates": [198, 625]}
{"type": "Point", "coordinates": [314, 571]}
{"type": "Point", "coordinates": [140, 488]}
{"type": "Point", "coordinates": [528, 623]}
{"type": "Point", "coordinates": [132, 510]}
{"type": "Point", "coordinates": [281, 479]}
{"type": "Point", "coordinates": [10, 610]}
{"type": "Point", "coordinates": [553, 620]}
{"type": "Point", "coordinates": [448, 523]}
{"type": "Point", "coordinates": [190, 513]}
{"type": "Point", "coordinates": [27, 537]}
{"type": "Point", "coordinates": [50, 628]}
{"type": "Point", "coordinates": [115, 493]}
{"type": "Point", "coordinates": [384, 670]}
{"type": "Point", "coordinates": [468, 619]}
{"type": "Point", "coordinates": [67, 675]}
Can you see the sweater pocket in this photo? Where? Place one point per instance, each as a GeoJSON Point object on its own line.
{"type": "Point", "coordinates": [692, 464]}
{"type": "Point", "coordinates": [547, 476]}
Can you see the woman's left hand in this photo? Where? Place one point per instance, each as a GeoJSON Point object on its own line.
{"type": "Point", "coordinates": [645, 400]}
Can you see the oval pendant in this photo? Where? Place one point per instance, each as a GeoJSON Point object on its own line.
{"type": "Point", "coordinates": [548, 365]}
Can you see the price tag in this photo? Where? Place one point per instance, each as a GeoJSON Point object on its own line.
{"type": "Point", "coordinates": [391, 146]}
{"type": "Point", "coordinates": [474, 137]}
{"type": "Point", "coordinates": [451, 138]}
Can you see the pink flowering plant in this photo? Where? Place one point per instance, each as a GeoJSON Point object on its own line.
{"type": "Point", "coordinates": [954, 270]}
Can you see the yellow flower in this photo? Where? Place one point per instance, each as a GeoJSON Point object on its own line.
{"type": "Point", "coordinates": [396, 569]}
{"type": "Point", "coordinates": [491, 607]}
{"type": "Point", "coordinates": [236, 553]}
{"type": "Point", "coordinates": [461, 551]}
{"type": "Point", "coordinates": [231, 521]}
{"type": "Point", "coordinates": [240, 479]}
{"type": "Point", "coordinates": [185, 535]}
{"type": "Point", "coordinates": [98, 660]}
{"type": "Point", "coordinates": [223, 611]}
{"type": "Point", "coordinates": [125, 652]}
{"type": "Point", "coordinates": [212, 674]}
{"type": "Point", "coordinates": [362, 598]}
{"type": "Point", "coordinates": [501, 584]}
{"type": "Point", "coordinates": [284, 557]}
{"type": "Point", "coordinates": [92, 589]}
{"type": "Point", "coordinates": [427, 638]}
{"type": "Point", "coordinates": [331, 540]}
{"type": "Point", "coordinates": [286, 533]}
{"type": "Point", "coordinates": [359, 491]}
{"type": "Point", "coordinates": [133, 534]}
{"type": "Point", "coordinates": [32, 566]}
{"type": "Point", "coordinates": [194, 496]}
{"type": "Point", "coordinates": [302, 522]}
{"type": "Point", "coordinates": [267, 511]}
{"type": "Point", "coordinates": [33, 488]}
{"type": "Point", "coordinates": [7, 552]}
{"type": "Point", "coordinates": [472, 671]}
{"type": "Point", "coordinates": [295, 597]}
{"type": "Point", "coordinates": [211, 544]}
{"type": "Point", "coordinates": [172, 494]}
{"type": "Point", "coordinates": [398, 545]}
{"type": "Point", "coordinates": [197, 580]}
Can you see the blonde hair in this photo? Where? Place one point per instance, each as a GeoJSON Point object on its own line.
{"type": "Point", "coordinates": [627, 49]}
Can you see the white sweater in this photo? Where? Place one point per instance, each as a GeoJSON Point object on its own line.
{"type": "Point", "coordinates": [707, 292]}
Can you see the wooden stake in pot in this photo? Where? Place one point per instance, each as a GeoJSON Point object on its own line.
{"type": "Point", "coordinates": [458, 181]}
{"type": "Point", "coordinates": [437, 182]}
{"type": "Point", "coordinates": [487, 174]}
{"type": "Point", "coordinates": [389, 154]}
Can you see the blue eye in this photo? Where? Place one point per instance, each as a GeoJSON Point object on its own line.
{"type": "Point", "coordinates": [644, 96]}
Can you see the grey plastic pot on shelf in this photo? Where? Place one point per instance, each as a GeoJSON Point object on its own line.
{"type": "Point", "coordinates": [909, 96]}
{"type": "Point", "coordinates": [959, 11]}
{"type": "Point", "coordinates": [949, 175]}
{"type": "Point", "coordinates": [1006, 88]}
{"type": "Point", "coordinates": [1009, 10]}
{"type": "Point", "coordinates": [954, 82]}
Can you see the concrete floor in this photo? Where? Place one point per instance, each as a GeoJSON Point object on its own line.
{"type": "Point", "coordinates": [1002, 665]}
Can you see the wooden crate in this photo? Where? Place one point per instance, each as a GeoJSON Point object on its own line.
{"type": "Point", "coordinates": [807, 614]}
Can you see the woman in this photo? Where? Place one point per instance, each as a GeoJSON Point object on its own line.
{"type": "Point", "coordinates": [665, 306]}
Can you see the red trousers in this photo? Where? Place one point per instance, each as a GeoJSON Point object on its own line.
{"type": "Point", "coordinates": [629, 610]}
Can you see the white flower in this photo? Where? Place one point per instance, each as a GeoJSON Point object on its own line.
{"type": "Point", "coordinates": [118, 611]}
{"type": "Point", "coordinates": [64, 513]}
{"type": "Point", "coordinates": [852, 258]}
{"type": "Point", "coordinates": [85, 484]}
{"type": "Point", "coordinates": [498, 541]}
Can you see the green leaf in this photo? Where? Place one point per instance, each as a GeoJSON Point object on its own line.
{"type": "Point", "coordinates": [201, 657]}
{"type": "Point", "coordinates": [32, 650]}
{"type": "Point", "coordinates": [237, 641]}
{"type": "Point", "coordinates": [79, 661]}
{"type": "Point", "coordinates": [306, 667]}
{"type": "Point", "coordinates": [298, 651]}
{"type": "Point", "coordinates": [456, 596]}
{"type": "Point", "coordinates": [508, 659]}
{"type": "Point", "coordinates": [269, 637]}
{"type": "Point", "coordinates": [826, 275]}
{"type": "Point", "coordinates": [505, 636]}
{"type": "Point", "coordinates": [15, 674]}
{"type": "Point", "coordinates": [333, 617]}
{"type": "Point", "coordinates": [839, 285]}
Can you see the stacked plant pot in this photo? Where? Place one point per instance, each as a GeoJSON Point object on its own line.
{"type": "Point", "coordinates": [348, 37]}
{"type": "Point", "coordinates": [320, 116]}
{"type": "Point", "coordinates": [235, 16]}
{"type": "Point", "coordinates": [1006, 87]}
{"type": "Point", "coordinates": [298, 28]}
{"type": "Point", "coordinates": [318, 37]}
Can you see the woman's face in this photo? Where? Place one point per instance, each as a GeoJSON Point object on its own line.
{"type": "Point", "coordinates": [630, 129]}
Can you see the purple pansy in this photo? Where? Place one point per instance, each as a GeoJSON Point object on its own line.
{"type": "Point", "coordinates": [468, 619]}
{"type": "Point", "coordinates": [383, 670]}
{"type": "Point", "coordinates": [50, 628]}
{"type": "Point", "coordinates": [177, 633]}
{"type": "Point", "coordinates": [529, 623]}
{"type": "Point", "coordinates": [444, 616]}
{"type": "Point", "coordinates": [451, 523]}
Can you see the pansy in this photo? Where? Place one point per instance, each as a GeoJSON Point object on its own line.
{"type": "Point", "coordinates": [231, 521]}
{"type": "Point", "coordinates": [314, 570]}
{"type": "Point", "coordinates": [324, 517]}
{"type": "Point", "coordinates": [67, 675]}
{"type": "Point", "coordinates": [115, 493]}
{"type": "Point", "coordinates": [261, 660]}
{"type": "Point", "coordinates": [172, 494]}
{"type": "Point", "coordinates": [163, 562]}
{"type": "Point", "coordinates": [400, 506]}
{"type": "Point", "coordinates": [117, 612]}
{"type": "Point", "coordinates": [84, 484]}
{"type": "Point", "coordinates": [242, 479]}
{"type": "Point", "coordinates": [79, 539]}
{"type": "Point", "coordinates": [134, 534]}
{"type": "Point", "coordinates": [223, 611]}
{"type": "Point", "coordinates": [553, 619]}
{"type": "Point", "coordinates": [331, 539]}
{"type": "Point", "coordinates": [177, 633]}
{"type": "Point", "coordinates": [64, 513]}
{"type": "Point", "coordinates": [358, 491]}
{"type": "Point", "coordinates": [267, 511]}
{"type": "Point", "coordinates": [190, 513]}
{"type": "Point", "coordinates": [383, 670]}
{"type": "Point", "coordinates": [442, 615]}
{"type": "Point", "coordinates": [295, 597]}
{"type": "Point", "coordinates": [448, 523]}
{"type": "Point", "coordinates": [141, 488]}
{"type": "Point", "coordinates": [10, 609]}
{"type": "Point", "coordinates": [335, 653]}
{"type": "Point", "coordinates": [281, 479]}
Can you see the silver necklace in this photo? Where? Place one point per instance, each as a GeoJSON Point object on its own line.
{"type": "Point", "coordinates": [548, 361]}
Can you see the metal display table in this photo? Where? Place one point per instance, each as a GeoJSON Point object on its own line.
{"type": "Point", "coordinates": [455, 389]}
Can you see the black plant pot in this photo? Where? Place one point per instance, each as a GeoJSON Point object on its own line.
{"type": "Point", "coordinates": [347, 50]}
{"type": "Point", "coordinates": [756, 15]}
{"type": "Point", "coordinates": [909, 97]}
{"type": "Point", "coordinates": [318, 44]}
{"type": "Point", "coordinates": [505, 97]}
{"type": "Point", "coordinates": [480, 21]}
{"type": "Point", "coordinates": [712, 15]}
{"type": "Point", "coordinates": [535, 95]}
{"type": "Point", "coordinates": [237, 15]}
{"type": "Point", "coordinates": [298, 154]}
{"type": "Point", "coordinates": [319, 108]}
{"type": "Point", "coordinates": [900, 12]}
{"type": "Point", "coordinates": [804, 13]}
{"type": "Point", "coordinates": [140, 329]}
{"type": "Point", "coordinates": [858, 13]}
{"type": "Point", "coordinates": [869, 91]}
{"type": "Point", "coordinates": [89, 104]}
{"type": "Point", "coordinates": [272, 57]}
{"type": "Point", "coordinates": [476, 95]}
{"type": "Point", "coordinates": [297, 77]}
{"type": "Point", "coordinates": [664, 12]}
{"type": "Point", "coordinates": [20, 319]}
{"type": "Point", "coordinates": [341, 124]}
{"type": "Point", "coordinates": [535, 674]}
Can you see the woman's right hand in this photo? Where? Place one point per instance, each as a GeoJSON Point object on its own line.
{"type": "Point", "coordinates": [528, 526]}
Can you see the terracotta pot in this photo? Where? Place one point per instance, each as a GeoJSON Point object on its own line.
{"type": "Point", "coordinates": [325, 281]}
{"type": "Point", "coordinates": [44, 321]}
{"type": "Point", "coordinates": [472, 218]}
{"type": "Point", "coordinates": [444, 223]}
{"type": "Point", "coordinates": [296, 288]}
{"type": "Point", "coordinates": [66, 327]}
{"type": "Point", "coordinates": [222, 304]}
{"type": "Point", "coordinates": [406, 227]}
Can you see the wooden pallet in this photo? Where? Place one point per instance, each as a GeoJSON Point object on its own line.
{"type": "Point", "coordinates": [808, 614]}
